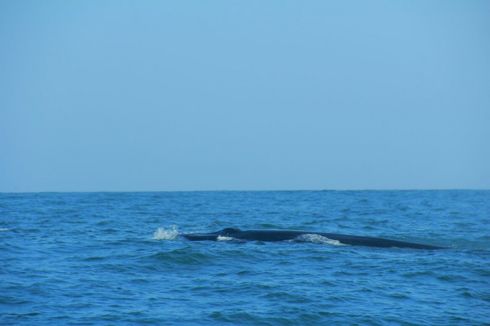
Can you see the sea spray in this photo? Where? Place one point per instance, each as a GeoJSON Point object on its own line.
{"type": "Point", "coordinates": [166, 234]}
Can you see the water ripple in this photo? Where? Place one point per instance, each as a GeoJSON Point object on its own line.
{"type": "Point", "coordinates": [117, 258]}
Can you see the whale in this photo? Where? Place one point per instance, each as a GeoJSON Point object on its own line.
{"type": "Point", "coordinates": [232, 233]}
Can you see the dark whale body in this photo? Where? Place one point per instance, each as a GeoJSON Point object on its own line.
{"type": "Point", "coordinates": [282, 235]}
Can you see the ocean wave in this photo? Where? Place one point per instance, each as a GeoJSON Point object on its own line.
{"type": "Point", "coordinates": [182, 256]}
{"type": "Point", "coordinates": [112, 269]}
{"type": "Point", "coordinates": [166, 234]}
{"type": "Point", "coordinates": [316, 238]}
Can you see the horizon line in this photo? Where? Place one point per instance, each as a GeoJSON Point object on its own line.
{"type": "Point", "coordinates": [245, 190]}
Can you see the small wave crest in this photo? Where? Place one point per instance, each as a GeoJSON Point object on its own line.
{"type": "Point", "coordinates": [166, 234]}
{"type": "Point", "coordinates": [4, 229]}
{"type": "Point", "coordinates": [224, 238]}
{"type": "Point", "coordinates": [316, 238]}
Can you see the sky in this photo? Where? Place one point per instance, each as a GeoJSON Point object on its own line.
{"type": "Point", "coordinates": [244, 95]}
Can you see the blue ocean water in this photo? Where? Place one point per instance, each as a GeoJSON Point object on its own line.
{"type": "Point", "coordinates": [117, 258]}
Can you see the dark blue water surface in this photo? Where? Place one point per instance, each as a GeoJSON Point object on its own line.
{"type": "Point", "coordinates": [117, 258]}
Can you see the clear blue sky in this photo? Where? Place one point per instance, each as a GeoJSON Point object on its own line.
{"type": "Point", "coordinates": [212, 95]}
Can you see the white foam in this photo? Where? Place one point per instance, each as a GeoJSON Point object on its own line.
{"type": "Point", "coordinates": [224, 238]}
{"type": "Point", "coordinates": [316, 238]}
{"type": "Point", "coordinates": [166, 234]}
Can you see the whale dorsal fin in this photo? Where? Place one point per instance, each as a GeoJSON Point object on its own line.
{"type": "Point", "coordinates": [230, 230]}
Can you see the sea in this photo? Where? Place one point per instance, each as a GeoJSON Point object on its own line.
{"type": "Point", "coordinates": [119, 258]}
